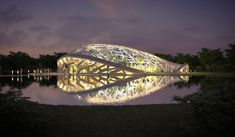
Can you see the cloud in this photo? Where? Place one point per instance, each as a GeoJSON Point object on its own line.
{"type": "Point", "coordinates": [13, 15]}
{"type": "Point", "coordinates": [115, 8]}
{"type": "Point", "coordinates": [108, 7]}
{"type": "Point", "coordinates": [12, 39]}
{"type": "Point", "coordinates": [39, 28]}
{"type": "Point", "coordinates": [193, 29]}
{"type": "Point", "coordinates": [84, 29]}
{"type": "Point", "coordinates": [80, 30]}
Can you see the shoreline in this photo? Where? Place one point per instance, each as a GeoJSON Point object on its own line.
{"type": "Point", "coordinates": [214, 74]}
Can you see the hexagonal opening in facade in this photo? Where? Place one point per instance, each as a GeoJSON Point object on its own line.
{"type": "Point", "coordinates": [115, 59]}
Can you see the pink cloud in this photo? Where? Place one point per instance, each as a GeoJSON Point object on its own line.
{"type": "Point", "coordinates": [108, 7]}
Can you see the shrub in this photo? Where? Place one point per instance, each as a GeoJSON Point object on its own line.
{"type": "Point", "coordinates": [20, 117]}
{"type": "Point", "coordinates": [212, 110]}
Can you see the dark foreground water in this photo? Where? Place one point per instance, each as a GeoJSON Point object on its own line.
{"type": "Point", "coordinates": [105, 90]}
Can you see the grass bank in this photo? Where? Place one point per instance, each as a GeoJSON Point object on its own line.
{"type": "Point", "coordinates": [113, 121]}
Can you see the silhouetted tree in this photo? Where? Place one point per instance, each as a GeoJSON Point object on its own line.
{"type": "Point", "coordinates": [211, 60]}
{"type": "Point", "coordinates": [192, 60]}
{"type": "Point", "coordinates": [230, 56]}
{"type": "Point", "coordinates": [211, 109]}
{"type": "Point", "coordinates": [17, 61]}
{"type": "Point", "coordinates": [20, 60]}
{"type": "Point", "coordinates": [49, 61]}
{"type": "Point", "coordinates": [165, 56]}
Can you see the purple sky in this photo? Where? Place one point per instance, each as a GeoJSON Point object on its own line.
{"type": "Point", "coordinates": [163, 26]}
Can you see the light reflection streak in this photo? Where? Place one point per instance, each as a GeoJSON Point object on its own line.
{"type": "Point", "coordinates": [108, 90]}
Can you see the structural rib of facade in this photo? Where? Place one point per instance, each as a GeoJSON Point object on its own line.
{"type": "Point", "coordinates": [115, 60]}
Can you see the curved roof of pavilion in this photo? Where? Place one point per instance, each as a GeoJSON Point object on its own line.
{"type": "Point", "coordinates": [125, 58]}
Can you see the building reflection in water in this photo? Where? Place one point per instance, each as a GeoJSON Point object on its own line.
{"type": "Point", "coordinates": [103, 89]}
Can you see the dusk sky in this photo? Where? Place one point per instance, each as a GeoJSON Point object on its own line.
{"type": "Point", "coordinates": [155, 26]}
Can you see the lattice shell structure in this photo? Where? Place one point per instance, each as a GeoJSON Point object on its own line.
{"type": "Point", "coordinates": [115, 59]}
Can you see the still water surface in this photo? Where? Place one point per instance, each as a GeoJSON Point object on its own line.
{"type": "Point", "coordinates": [101, 90]}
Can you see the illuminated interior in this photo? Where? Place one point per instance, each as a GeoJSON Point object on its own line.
{"type": "Point", "coordinates": [74, 66]}
{"type": "Point", "coordinates": [99, 72]}
{"type": "Point", "coordinates": [115, 59]}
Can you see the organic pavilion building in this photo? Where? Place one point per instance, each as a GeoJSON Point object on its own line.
{"type": "Point", "coordinates": [115, 60]}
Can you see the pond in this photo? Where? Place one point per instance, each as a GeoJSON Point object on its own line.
{"type": "Point", "coordinates": [103, 90]}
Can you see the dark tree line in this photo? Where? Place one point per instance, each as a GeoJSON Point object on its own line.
{"type": "Point", "coordinates": [21, 60]}
{"type": "Point", "coordinates": [210, 60]}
